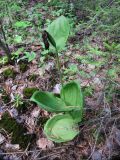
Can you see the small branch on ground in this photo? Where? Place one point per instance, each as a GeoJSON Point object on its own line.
{"type": "Point", "coordinates": [4, 44]}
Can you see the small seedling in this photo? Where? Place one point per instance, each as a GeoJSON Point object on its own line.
{"type": "Point", "coordinates": [28, 56]}
{"type": "Point", "coordinates": [17, 100]}
{"type": "Point", "coordinates": [73, 69]}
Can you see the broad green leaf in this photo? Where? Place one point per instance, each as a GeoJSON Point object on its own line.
{"type": "Point", "coordinates": [59, 29]}
{"type": "Point", "coordinates": [51, 103]}
{"type": "Point", "coordinates": [61, 128]}
{"type": "Point", "coordinates": [47, 101]}
{"type": "Point", "coordinates": [71, 94]}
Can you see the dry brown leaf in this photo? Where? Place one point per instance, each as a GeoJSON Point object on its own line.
{"type": "Point", "coordinates": [56, 89]}
{"type": "Point", "coordinates": [2, 139]}
{"type": "Point", "coordinates": [35, 113]}
{"type": "Point", "coordinates": [44, 143]}
{"type": "Point", "coordinates": [30, 122]}
{"type": "Point", "coordinates": [12, 146]}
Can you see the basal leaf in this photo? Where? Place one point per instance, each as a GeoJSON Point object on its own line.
{"type": "Point", "coordinates": [72, 96]}
{"type": "Point", "coordinates": [59, 29]}
{"type": "Point", "coordinates": [47, 101]}
{"type": "Point", "coordinates": [61, 128]}
{"type": "Point", "coordinates": [50, 103]}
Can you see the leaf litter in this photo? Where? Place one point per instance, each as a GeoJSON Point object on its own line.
{"type": "Point", "coordinates": [94, 141]}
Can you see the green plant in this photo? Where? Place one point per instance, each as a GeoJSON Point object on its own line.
{"type": "Point", "coordinates": [17, 100]}
{"type": "Point", "coordinates": [73, 69]}
{"type": "Point", "coordinates": [29, 56]}
{"type": "Point", "coordinates": [57, 35]}
{"type": "Point", "coordinates": [18, 39]}
{"type": "Point", "coordinates": [22, 24]}
{"type": "Point", "coordinates": [88, 91]}
{"type": "Point", "coordinates": [113, 72]}
{"type": "Point", "coordinates": [3, 60]}
{"type": "Point", "coordinates": [70, 104]}
{"type": "Point", "coordinates": [62, 127]}
{"type": "Point", "coordinates": [113, 48]}
{"type": "Point", "coordinates": [16, 54]}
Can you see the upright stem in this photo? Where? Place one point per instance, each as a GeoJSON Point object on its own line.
{"type": "Point", "coordinates": [4, 44]}
{"type": "Point", "coordinates": [59, 68]}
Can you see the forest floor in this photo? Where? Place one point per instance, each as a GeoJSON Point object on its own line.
{"type": "Point", "coordinates": [97, 71]}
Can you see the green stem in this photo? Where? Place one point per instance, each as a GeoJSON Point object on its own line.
{"type": "Point", "coordinates": [59, 68]}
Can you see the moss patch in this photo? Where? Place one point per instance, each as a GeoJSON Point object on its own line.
{"type": "Point", "coordinates": [5, 97]}
{"type": "Point", "coordinates": [28, 92]}
{"type": "Point", "coordinates": [23, 67]}
{"type": "Point", "coordinates": [9, 73]}
{"type": "Point", "coordinates": [17, 130]}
